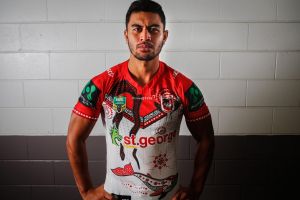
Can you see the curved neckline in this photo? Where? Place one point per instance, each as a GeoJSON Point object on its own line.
{"type": "Point", "coordinates": [128, 76]}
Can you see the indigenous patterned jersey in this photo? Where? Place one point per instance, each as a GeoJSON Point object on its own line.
{"type": "Point", "coordinates": [142, 126]}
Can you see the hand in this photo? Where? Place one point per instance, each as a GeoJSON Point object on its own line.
{"type": "Point", "coordinates": [184, 193]}
{"type": "Point", "coordinates": [97, 193]}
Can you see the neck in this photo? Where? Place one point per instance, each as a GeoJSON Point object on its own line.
{"type": "Point", "coordinates": [143, 71]}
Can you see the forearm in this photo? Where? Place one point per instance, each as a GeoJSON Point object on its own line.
{"type": "Point", "coordinates": [202, 163]}
{"type": "Point", "coordinates": [77, 154]}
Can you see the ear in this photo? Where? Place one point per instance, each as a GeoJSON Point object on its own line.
{"type": "Point", "coordinates": [166, 34]}
{"type": "Point", "coordinates": [126, 35]}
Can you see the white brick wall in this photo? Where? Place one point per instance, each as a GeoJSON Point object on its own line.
{"type": "Point", "coordinates": [50, 93]}
{"type": "Point", "coordinates": [243, 54]}
{"type": "Point", "coordinates": [9, 37]}
{"type": "Point", "coordinates": [223, 36]}
{"type": "Point", "coordinates": [101, 36]}
{"type": "Point", "coordinates": [274, 36]}
{"type": "Point", "coordinates": [114, 58]}
{"type": "Point", "coordinates": [23, 11]}
{"type": "Point", "coordinates": [245, 120]}
{"type": "Point", "coordinates": [12, 94]}
{"type": "Point", "coordinates": [43, 37]}
{"type": "Point", "coordinates": [195, 65]}
{"type": "Point", "coordinates": [224, 92]}
{"type": "Point", "coordinates": [246, 65]}
{"type": "Point", "coordinates": [288, 65]}
{"type": "Point", "coordinates": [24, 66]}
{"type": "Point", "coordinates": [76, 65]}
{"type": "Point", "coordinates": [288, 10]}
{"type": "Point", "coordinates": [78, 10]}
{"type": "Point", "coordinates": [273, 93]}
{"type": "Point", "coordinates": [179, 32]}
{"type": "Point", "coordinates": [19, 121]}
{"type": "Point", "coordinates": [255, 10]}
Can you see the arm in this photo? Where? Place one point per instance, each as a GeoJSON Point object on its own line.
{"type": "Point", "coordinates": [202, 131]}
{"type": "Point", "coordinates": [79, 130]}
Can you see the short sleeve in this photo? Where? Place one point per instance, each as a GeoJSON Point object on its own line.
{"type": "Point", "coordinates": [89, 102]}
{"type": "Point", "coordinates": [195, 107]}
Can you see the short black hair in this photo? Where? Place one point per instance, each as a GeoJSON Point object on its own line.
{"type": "Point", "coordinates": [146, 6]}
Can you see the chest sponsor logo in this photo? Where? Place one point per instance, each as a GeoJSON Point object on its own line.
{"type": "Point", "coordinates": [119, 104]}
{"type": "Point", "coordinates": [143, 142]}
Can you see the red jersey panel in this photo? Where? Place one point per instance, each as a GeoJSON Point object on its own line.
{"type": "Point", "coordinates": [165, 92]}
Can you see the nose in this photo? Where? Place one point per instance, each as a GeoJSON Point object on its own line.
{"type": "Point", "coordinates": [145, 35]}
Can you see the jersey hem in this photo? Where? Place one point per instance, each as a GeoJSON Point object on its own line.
{"type": "Point", "coordinates": [199, 118]}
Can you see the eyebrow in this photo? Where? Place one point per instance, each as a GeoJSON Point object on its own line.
{"type": "Point", "coordinates": [152, 25]}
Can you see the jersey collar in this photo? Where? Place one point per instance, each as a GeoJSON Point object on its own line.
{"type": "Point", "coordinates": [129, 77]}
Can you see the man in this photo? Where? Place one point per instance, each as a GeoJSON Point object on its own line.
{"type": "Point", "coordinates": [141, 102]}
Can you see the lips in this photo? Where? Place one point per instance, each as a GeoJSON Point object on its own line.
{"type": "Point", "coordinates": [145, 46]}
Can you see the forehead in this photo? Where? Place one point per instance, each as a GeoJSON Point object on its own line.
{"type": "Point", "coordinates": [145, 18]}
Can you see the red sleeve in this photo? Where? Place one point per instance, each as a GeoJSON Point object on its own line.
{"type": "Point", "coordinates": [89, 104]}
{"type": "Point", "coordinates": [194, 105]}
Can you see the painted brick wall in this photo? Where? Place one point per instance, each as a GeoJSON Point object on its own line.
{"type": "Point", "coordinates": [244, 55]}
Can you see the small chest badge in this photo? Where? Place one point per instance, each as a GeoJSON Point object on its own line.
{"type": "Point", "coordinates": [167, 101]}
{"type": "Point", "coordinates": [119, 104]}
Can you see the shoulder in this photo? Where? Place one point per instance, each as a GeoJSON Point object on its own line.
{"type": "Point", "coordinates": [109, 76]}
{"type": "Point", "coordinates": [180, 80]}
{"type": "Point", "coordinates": [191, 97]}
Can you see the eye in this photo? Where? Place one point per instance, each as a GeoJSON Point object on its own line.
{"type": "Point", "coordinates": [153, 29]}
{"type": "Point", "coordinates": [137, 29]}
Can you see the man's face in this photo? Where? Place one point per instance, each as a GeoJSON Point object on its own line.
{"type": "Point", "coordinates": [145, 35]}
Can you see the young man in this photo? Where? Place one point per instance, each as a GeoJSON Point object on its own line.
{"type": "Point", "coordinates": [141, 102]}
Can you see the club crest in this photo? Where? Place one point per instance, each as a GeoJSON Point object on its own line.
{"type": "Point", "coordinates": [167, 100]}
{"type": "Point", "coordinates": [119, 104]}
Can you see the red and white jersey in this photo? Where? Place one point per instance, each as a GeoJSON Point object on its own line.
{"type": "Point", "coordinates": [142, 127]}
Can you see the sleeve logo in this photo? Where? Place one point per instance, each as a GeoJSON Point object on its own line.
{"type": "Point", "coordinates": [195, 98]}
{"type": "Point", "coordinates": [90, 95]}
